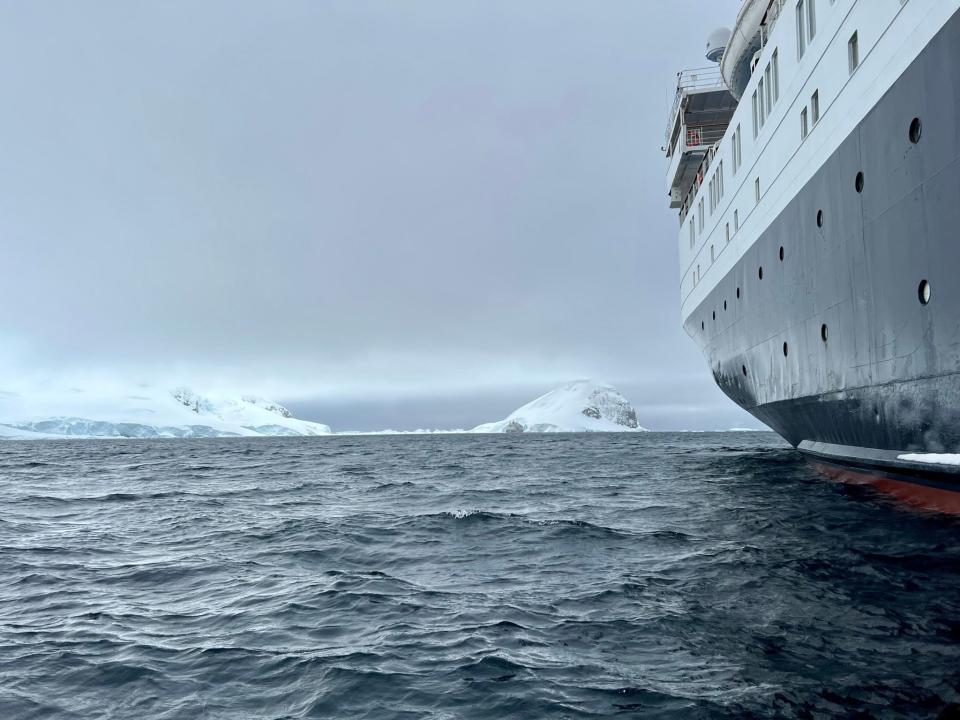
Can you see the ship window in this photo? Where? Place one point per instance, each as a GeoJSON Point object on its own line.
{"type": "Point", "coordinates": [785, 349]}
{"type": "Point", "coordinates": [756, 126]}
{"type": "Point", "coordinates": [714, 314]}
{"type": "Point", "coordinates": [916, 130]}
{"type": "Point", "coordinates": [735, 150]}
{"type": "Point", "coordinates": [703, 325]}
{"type": "Point", "coordinates": [859, 182]}
{"type": "Point", "coordinates": [823, 332]}
{"type": "Point", "coordinates": [728, 232]}
{"type": "Point", "coordinates": [815, 107]}
{"type": "Point", "coordinates": [724, 305]}
{"type": "Point", "coordinates": [781, 253]}
{"type": "Point", "coordinates": [743, 369]}
{"type": "Point", "coordinates": [804, 126]}
{"type": "Point", "coordinates": [693, 234]}
{"type": "Point", "coordinates": [923, 292]}
{"type": "Point", "coordinates": [853, 52]}
{"type": "Point", "coordinates": [763, 111]}
{"type": "Point", "coordinates": [736, 220]}
{"type": "Point", "coordinates": [811, 19]}
{"type": "Point", "coordinates": [767, 84]}
{"type": "Point", "coordinates": [700, 215]}
{"type": "Point", "coordinates": [760, 272]}
{"type": "Point", "coordinates": [756, 189]}
{"type": "Point", "coordinates": [776, 74]}
{"type": "Point", "coordinates": [713, 255]}
{"type": "Point", "coordinates": [738, 293]}
{"type": "Point", "coordinates": [820, 218]}
{"type": "Point", "coordinates": [801, 36]}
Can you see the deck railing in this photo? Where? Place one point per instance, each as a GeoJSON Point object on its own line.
{"type": "Point", "coordinates": [689, 81]}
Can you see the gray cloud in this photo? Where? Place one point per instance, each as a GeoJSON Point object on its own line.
{"type": "Point", "coordinates": [347, 199]}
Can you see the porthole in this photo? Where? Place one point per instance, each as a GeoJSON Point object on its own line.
{"type": "Point", "coordinates": [916, 130]}
{"type": "Point", "coordinates": [923, 292]}
{"type": "Point", "coordinates": [760, 272]}
{"type": "Point", "coordinates": [738, 293]}
{"type": "Point", "coordinates": [820, 218]}
{"type": "Point", "coordinates": [823, 332]}
{"type": "Point", "coordinates": [785, 349]}
{"type": "Point", "coordinates": [781, 253]}
{"type": "Point", "coordinates": [859, 182]}
{"type": "Point", "coordinates": [744, 369]}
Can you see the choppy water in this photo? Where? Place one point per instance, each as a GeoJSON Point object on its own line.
{"type": "Point", "coordinates": [674, 576]}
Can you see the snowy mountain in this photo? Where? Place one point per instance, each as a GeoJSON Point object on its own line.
{"type": "Point", "coordinates": [144, 413]}
{"type": "Point", "coordinates": [580, 406]}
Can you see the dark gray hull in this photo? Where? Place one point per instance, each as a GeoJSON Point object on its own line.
{"type": "Point", "coordinates": [886, 381]}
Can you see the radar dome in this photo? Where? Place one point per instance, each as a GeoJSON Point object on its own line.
{"type": "Point", "coordinates": [717, 43]}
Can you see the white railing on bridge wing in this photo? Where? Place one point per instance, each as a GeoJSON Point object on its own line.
{"type": "Point", "coordinates": [689, 81]}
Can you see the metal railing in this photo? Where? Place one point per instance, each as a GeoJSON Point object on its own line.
{"type": "Point", "coordinates": [696, 137]}
{"type": "Point", "coordinates": [688, 81]}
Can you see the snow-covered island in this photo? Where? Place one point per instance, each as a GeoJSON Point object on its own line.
{"type": "Point", "coordinates": [579, 406]}
{"type": "Point", "coordinates": [147, 412]}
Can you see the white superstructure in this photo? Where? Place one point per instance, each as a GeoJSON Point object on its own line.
{"type": "Point", "coordinates": [806, 72]}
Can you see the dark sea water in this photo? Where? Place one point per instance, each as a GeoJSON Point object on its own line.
{"type": "Point", "coordinates": [653, 576]}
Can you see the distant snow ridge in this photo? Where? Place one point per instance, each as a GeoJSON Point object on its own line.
{"type": "Point", "coordinates": [153, 412]}
{"type": "Point", "coordinates": [580, 406]}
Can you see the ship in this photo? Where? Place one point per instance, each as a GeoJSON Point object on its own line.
{"type": "Point", "coordinates": [815, 166]}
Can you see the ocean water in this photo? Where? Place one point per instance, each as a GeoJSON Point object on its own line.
{"type": "Point", "coordinates": [653, 576]}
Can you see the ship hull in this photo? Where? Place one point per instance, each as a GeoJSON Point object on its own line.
{"type": "Point", "coordinates": [831, 344]}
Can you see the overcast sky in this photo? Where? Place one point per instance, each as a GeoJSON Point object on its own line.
{"type": "Point", "coordinates": [416, 213]}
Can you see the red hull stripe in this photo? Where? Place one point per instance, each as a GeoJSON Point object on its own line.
{"type": "Point", "coordinates": [913, 494]}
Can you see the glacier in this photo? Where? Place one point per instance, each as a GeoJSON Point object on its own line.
{"type": "Point", "coordinates": [579, 406]}
{"type": "Point", "coordinates": [147, 412]}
